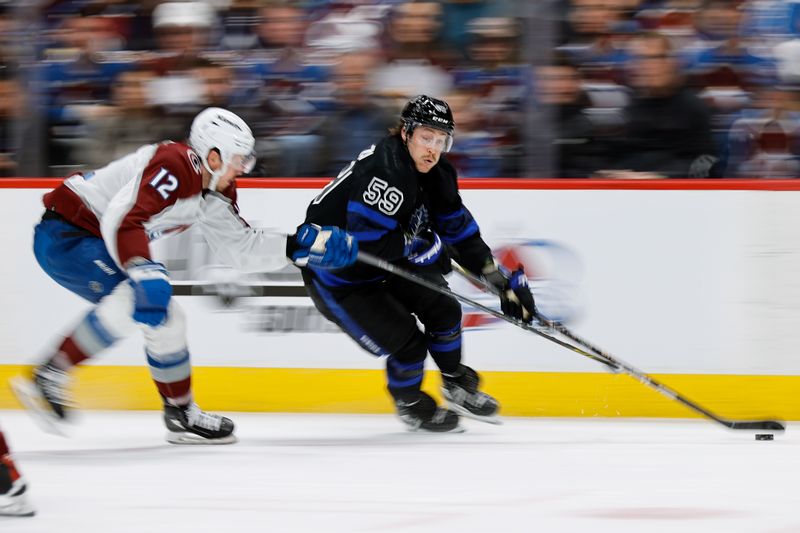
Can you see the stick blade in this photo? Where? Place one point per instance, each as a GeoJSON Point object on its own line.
{"type": "Point", "coordinates": [768, 425]}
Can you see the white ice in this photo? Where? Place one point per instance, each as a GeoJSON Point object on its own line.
{"type": "Point", "coordinates": [364, 473]}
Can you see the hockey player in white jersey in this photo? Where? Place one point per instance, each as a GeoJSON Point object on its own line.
{"type": "Point", "coordinates": [94, 240]}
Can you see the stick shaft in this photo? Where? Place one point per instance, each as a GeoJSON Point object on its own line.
{"type": "Point", "coordinates": [591, 351]}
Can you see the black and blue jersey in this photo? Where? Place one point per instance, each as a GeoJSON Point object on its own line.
{"type": "Point", "coordinates": [383, 201]}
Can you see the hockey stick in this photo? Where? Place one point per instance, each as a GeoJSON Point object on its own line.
{"type": "Point", "coordinates": [539, 318]}
{"type": "Point", "coordinates": [642, 377]}
{"type": "Point", "coordinates": [601, 357]}
{"type": "Point", "coordinates": [371, 260]}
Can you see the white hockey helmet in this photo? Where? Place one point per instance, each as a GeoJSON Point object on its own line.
{"type": "Point", "coordinates": [218, 129]}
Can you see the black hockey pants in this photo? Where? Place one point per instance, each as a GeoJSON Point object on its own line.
{"type": "Point", "coordinates": [382, 318]}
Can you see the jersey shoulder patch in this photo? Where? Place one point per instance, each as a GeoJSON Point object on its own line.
{"type": "Point", "coordinates": [178, 158]}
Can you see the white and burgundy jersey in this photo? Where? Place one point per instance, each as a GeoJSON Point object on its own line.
{"type": "Point", "coordinates": [155, 191]}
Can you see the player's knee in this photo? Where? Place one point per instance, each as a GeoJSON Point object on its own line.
{"type": "Point", "coordinates": [170, 337]}
{"type": "Point", "coordinates": [115, 310]}
{"type": "Point", "coordinates": [414, 350]}
{"type": "Point", "coordinates": [450, 309]}
{"type": "Point", "coordinates": [176, 317]}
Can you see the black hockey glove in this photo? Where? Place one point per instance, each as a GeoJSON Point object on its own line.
{"type": "Point", "coordinates": [516, 298]}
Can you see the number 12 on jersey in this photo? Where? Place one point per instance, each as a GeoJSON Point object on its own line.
{"type": "Point", "coordinates": [164, 183]}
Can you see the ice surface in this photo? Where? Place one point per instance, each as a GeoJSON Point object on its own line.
{"type": "Point", "coordinates": [364, 473]}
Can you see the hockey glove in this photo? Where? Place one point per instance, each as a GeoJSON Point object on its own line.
{"type": "Point", "coordinates": [516, 298]}
{"type": "Point", "coordinates": [324, 247]}
{"type": "Point", "coordinates": [151, 291]}
{"type": "Point", "coordinates": [424, 249]}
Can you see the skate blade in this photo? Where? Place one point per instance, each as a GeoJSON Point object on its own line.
{"type": "Point", "coordinates": [417, 429]}
{"type": "Point", "coordinates": [17, 509]}
{"type": "Point", "coordinates": [16, 505]}
{"type": "Point", "coordinates": [462, 411]}
{"type": "Point", "coordinates": [180, 437]}
{"type": "Point", "coordinates": [37, 406]}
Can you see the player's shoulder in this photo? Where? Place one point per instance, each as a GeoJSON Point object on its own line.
{"type": "Point", "coordinates": [179, 159]}
{"type": "Point", "coordinates": [446, 169]}
{"type": "Point", "coordinates": [389, 162]}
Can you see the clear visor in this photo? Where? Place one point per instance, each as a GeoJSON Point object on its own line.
{"type": "Point", "coordinates": [433, 139]}
{"type": "Point", "coordinates": [243, 163]}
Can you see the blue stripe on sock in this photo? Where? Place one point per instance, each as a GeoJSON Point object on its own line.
{"type": "Point", "coordinates": [452, 331]}
{"type": "Point", "coordinates": [399, 383]}
{"type": "Point", "coordinates": [169, 360]}
{"type": "Point", "coordinates": [444, 346]}
{"type": "Point", "coordinates": [98, 329]}
{"type": "Point", "coordinates": [394, 363]}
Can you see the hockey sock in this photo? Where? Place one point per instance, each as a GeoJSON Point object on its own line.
{"type": "Point", "coordinates": [445, 348]}
{"type": "Point", "coordinates": [172, 374]}
{"type": "Point", "coordinates": [405, 367]}
{"type": "Point", "coordinates": [88, 339]}
{"type": "Point", "coordinates": [404, 375]}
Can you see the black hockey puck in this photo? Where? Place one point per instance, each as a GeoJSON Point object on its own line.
{"type": "Point", "coordinates": [764, 436]}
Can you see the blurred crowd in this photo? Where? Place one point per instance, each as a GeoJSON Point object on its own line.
{"type": "Point", "coordinates": [551, 88]}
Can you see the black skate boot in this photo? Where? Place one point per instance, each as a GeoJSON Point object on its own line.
{"type": "Point", "coordinates": [460, 389]}
{"type": "Point", "coordinates": [190, 425]}
{"type": "Point", "coordinates": [45, 396]}
{"type": "Point", "coordinates": [423, 414]}
{"type": "Point", "coordinates": [13, 497]}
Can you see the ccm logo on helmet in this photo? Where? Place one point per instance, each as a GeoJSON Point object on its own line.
{"type": "Point", "coordinates": [226, 121]}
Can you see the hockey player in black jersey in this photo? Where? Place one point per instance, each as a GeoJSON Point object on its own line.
{"type": "Point", "coordinates": [400, 199]}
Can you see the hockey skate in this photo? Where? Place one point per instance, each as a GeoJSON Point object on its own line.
{"type": "Point", "coordinates": [423, 414]}
{"type": "Point", "coordinates": [191, 425]}
{"type": "Point", "coordinates": [45, 396]}
{"type": "Point", "coordinates": [461, 392]}
{"type": "Point", "coordinates": [13, 497]}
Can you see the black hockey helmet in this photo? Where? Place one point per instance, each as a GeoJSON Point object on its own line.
{"type": "Point", "coordinates": [423, 110]}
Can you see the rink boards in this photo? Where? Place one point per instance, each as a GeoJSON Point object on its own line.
{"type": "Point", "coordinates": [695, 282]}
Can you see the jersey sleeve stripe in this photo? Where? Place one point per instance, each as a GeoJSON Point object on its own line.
{"type": "Point", "coordinates": [372, 215]}
{"type": "Point", "coordinates": [368, 235]}
{"type": "Point", "coordinates": [457, 226]}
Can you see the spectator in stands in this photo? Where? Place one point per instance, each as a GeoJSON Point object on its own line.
{"type": "Point", "coordinates": [128, 122]}
{"type": "Point", "coordinates": [597, 41]}
{"type": "Point", "coordinates": [289, 88]}
{"type": "Point", "coordinates": [667, 127]}
{"type": "Point", "coordinates": [11, 46]}
{"type": "Point", "coordinates": [417, 62]}
{"type": "Point", "coordinates": [458, 15]}
{"type": "Point", "coordinates": [477, 152]}
{"type": "Point", "coordinates": [722, 50]}
{"type": "Point", "coordinates": [183, 33]}
{"type": "Point", "coordinates": [497, 82]}
{"type": "Point", "coordinates": [573, 143]}
{"type": "Point", "coordinates": [18, 143]}
{"type": "Point", "coordinates": [355, 112]}
{"type": "Point", "coordinates": [76, 78]}
{"type": "Point", "coordinates": [237, 24]}
{"type": "Point", "coordinates": [765, 141]}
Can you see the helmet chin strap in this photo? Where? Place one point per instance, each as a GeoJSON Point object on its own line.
{"type": "Point", "coordinates": [215, 174]}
